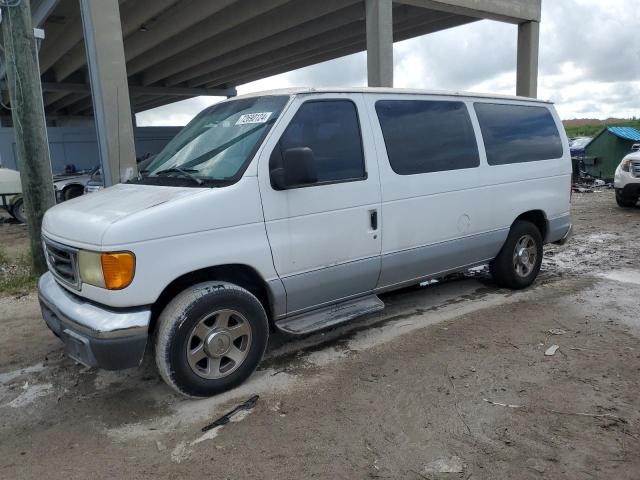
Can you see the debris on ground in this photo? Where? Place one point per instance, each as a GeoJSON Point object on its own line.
{"type": "Point", "coordinates": [226, 418]}
{"type": "Point", "coordinates": [498, 404]}
{"type": "Point", "coordinates": [557, 331]}
{"type": "Point", "coordinates": [549, 352]}
{"type": "Point", "coordinates": [445, 465]}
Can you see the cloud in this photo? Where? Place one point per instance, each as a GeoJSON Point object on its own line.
{"type": "Point", "coordinates": [589, 63]}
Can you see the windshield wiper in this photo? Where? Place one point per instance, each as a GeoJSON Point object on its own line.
{"type": "Point", "coordinates": [185, 173]}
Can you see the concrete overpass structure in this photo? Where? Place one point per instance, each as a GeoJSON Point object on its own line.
{"type": "Point", "coordinates": [108, 59]}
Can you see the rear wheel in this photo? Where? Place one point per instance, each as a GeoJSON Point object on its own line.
{"type": "Point", "coordinates": [210, 338]}
{"type": "Point", "coordinates": [18, 211]}
{"type": "Point", "coordinates": [626, 202]}
{"type": "Point", "coordinates": [518, 263]}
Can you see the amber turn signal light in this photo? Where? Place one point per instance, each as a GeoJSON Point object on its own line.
{"type": "Point", "coordinates": [118, 269]}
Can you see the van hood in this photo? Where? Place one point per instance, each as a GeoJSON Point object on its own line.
{"type": "Point", "coordinates": [85, 219]}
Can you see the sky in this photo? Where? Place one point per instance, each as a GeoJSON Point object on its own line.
{"type": "Point", "coordinates": [589, 63]}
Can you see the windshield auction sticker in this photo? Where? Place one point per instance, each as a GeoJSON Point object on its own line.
{"type": "Point", "coordinates": [258, 117]}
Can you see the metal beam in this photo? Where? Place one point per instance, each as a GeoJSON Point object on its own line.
{"type": "Point", "coordinates": [512, 11]}
{"type": "Point", "coordinates": [55, 47]}
{"type": "Point", "coordinates": [62, 43]}
{"type": "Point", "coordinates": [208, 27]}
{"type": "Point", "coordinates": [527, 62]}
{"type": "Point", "coordinates": [67, 101]}
{"type": "Point", "coordinates": [350, 34]}
{"type": "Point", "coordinates": [179, 19]}
{"type": "Point", "coordinates": [266, 25]}
{"type": "Point", "coordinates": [109, 89]}
{"type": "Point", "coordinates": [52, 97]}
{"type": "Point", "coordinates": [81, 106]}
{"type": "Point", "coordinates": [138, 90]}
{"type": "Point", "coordinates": [134, 15]}
{"type": "Point", "coordinates": [40, 11]}
{"type": "Point", "coordinates": [158, 102]}
{"type": "Point", "coordinates": [333, 51]}
{"type": "Point", "coordinates": [206, 72]}
{"type": "Point", "coordinates": [379, 43]}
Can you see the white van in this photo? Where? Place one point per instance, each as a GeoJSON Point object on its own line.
{"type": "Point", "coordinates": [291, 210]}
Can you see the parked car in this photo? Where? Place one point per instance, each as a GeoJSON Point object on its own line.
{"type": "Point", "coordinates": [70, 185]}
{"type": "Point", "coordinates": [96, 182]}
{"type": "Point", "coordinates": [65, 185]}
{"type": "Point", "coordinates": [627, 180]}
{"type": "Point", "coordinates": [11, 194]}
{"type": "Point", "coordinates": [292, 210]}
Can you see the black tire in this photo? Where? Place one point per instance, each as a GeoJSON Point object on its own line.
{"type": "Point", "coordinates": [177, 324]}
{"type": "Point", "coordinates": [625, 202]}
{"type": "Point", "coordinates": [503, 267]}
{"type": "Point", "coordinates": [18, 212]}
{"type": "Point", "coordinates": [72, 191]}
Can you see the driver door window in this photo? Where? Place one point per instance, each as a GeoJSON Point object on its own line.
{"type": "Point", "coordinates": [330, 128]}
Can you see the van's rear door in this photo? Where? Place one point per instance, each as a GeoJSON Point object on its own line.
{"type": "Point", "coordinates": [324, 236]}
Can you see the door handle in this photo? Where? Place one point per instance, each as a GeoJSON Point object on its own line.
{"type": "Point", "coordinates": [374, 219]}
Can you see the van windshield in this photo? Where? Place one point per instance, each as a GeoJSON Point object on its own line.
{"type": "Point", "coordinates": [216, 146]}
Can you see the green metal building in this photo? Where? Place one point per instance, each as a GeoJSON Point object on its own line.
{"type": "Point", "coordinates": [606, 150]}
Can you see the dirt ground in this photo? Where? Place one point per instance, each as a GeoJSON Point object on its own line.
{"type": "Point", "coordinates": [451, 380]}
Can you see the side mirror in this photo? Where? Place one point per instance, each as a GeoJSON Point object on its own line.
{"type": "Point", "coordinates": [298, 168]}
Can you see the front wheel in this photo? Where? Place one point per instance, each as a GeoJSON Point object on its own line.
{"type": "Point", "coordinates": [210, 338]}
{"type": "Point", "coordinates": [518, 263]}
{"type": "Point", "coordinates": [625, 202]}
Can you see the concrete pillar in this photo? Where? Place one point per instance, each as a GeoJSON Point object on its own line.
{"type": "Point", "coordinates": [528, 47]}
{"type": "Point", "coordinates": [379, 43]}
{"type": "Point", "coordinates": [109, 89]}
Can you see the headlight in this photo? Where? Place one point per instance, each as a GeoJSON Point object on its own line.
{"type": "Point", "coordinates": [113, 270]}
{"type": "Point", "coordinates": [626, 165]}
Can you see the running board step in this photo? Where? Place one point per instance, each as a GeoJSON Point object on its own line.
{"type": "Point", "coordinates": [329, 316]}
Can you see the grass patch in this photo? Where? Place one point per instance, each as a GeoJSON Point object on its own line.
{"type": "Point", "coordinates": [16, 277]}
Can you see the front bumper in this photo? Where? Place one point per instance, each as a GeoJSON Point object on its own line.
{"type": "Point", "coordinates": [630, 190]}
{"type": "Point", "coordinates": [94, 335]}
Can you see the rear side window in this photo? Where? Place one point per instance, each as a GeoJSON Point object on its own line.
{"type": "Point", "coordinates": [427, 136]}
{"type": "Point", "coordinates": [517, 134]}
{"type": "Point", "coordinates": [330, 128]}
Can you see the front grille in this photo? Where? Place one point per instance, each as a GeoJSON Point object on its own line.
{"type": "Point", "coordinates": [635, 168]}
{"type": "Point", "coordinates": [63, 262]}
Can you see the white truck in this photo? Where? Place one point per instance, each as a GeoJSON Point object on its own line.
{"type": "Point", "coordinates": [292, 210]}
{"type": "Point", "coordinates": [626, 180]}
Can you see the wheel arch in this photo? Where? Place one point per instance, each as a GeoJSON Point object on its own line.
{"type": "Point", "coordinates": [538, 218]}
{"type": "Point", "coordinates": [13, 200]}
{"type": "Point", "coordinates": [70, 186]}
{"type": "Point", "coordinates": [242, 275]}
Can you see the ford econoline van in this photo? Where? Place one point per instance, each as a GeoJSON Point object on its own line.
{"type": "Point", "coordinates": [292, 210]}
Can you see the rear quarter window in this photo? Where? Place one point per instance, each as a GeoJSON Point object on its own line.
{"type": "Point", "coordinates": [424, 136]}
{"type": "Point", "coordinates": [518, 133]}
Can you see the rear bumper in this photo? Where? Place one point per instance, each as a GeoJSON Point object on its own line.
{"type": "Point", "coordinates": [559, 230]}
{"type": "Point", "coordinates": [566, 236]}
{"type": "Point", "coordinates": [94, 335]}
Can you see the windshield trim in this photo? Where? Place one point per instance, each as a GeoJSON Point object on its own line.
{"type": "Point", "coordinates": [250, 157]}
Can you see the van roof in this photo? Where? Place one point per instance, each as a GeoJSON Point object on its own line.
{"type": "Point", "coordinates": [380, 90]}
